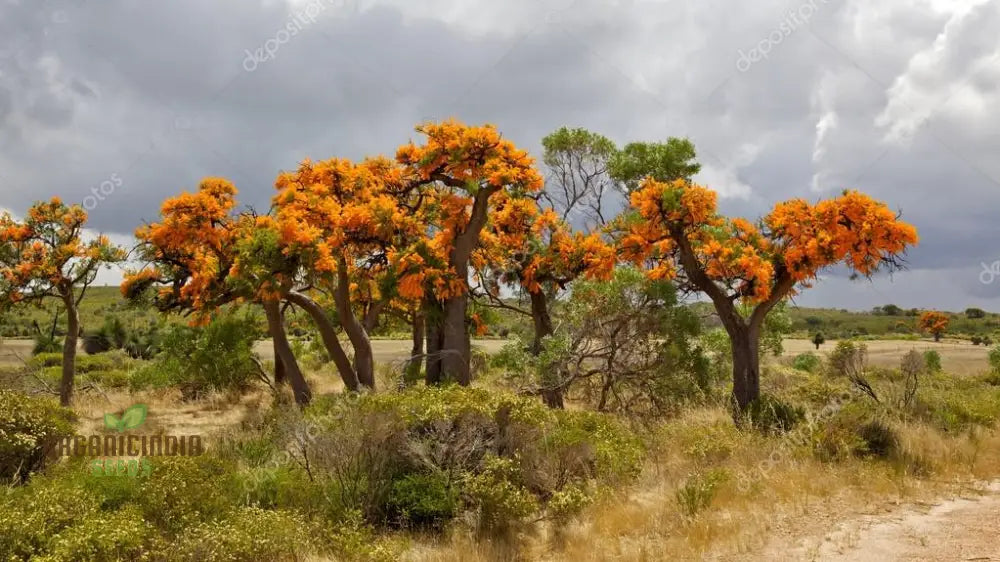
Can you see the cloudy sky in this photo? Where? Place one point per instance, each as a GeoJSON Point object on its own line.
{"type": "Point", "coordinates": [118, 104]}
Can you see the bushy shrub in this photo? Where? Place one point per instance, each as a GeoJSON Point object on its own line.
{"type": "Point", "coordinates": [184, 491]}
{"type": "Point", "coordinates": [808, 362]}
{"type": "Point", "coordinates": [879, 438]}
{"type": "Point", "coordinates": [421, 456]}
{"type": "Point", "coordinates": [218, 356]}
{"type": "Point", "coordinates": [932, 361]}
{"type": "Point", "coordinates": [45, 343]}
{"type": "Point", "coordinates": [35, 513]}
{"type": "Point", "coordinates": [29, 426]}
{"type": "Point", "coordinates": [248, 534]}
{"type": "Point", "coordinates": [698, 491]}
{"type": "Point", "coordinates": [119, 535]}
{"type": "Point", "coordinates": [854, 431]}
{"type": "Point", "coordinates": [770, 414]}
{"type": "Point", "coordinates": [423, 500]}
{"type": "Point", "coordinates": [498, 493]}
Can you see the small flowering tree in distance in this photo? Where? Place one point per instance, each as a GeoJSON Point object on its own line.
{"type": "Point", "coordinates": [46, 257]}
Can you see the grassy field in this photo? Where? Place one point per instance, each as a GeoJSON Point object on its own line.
{"type": "Point", "coordinates": [765, 497]}
{"type": "Point", "coordinates": [958, 357]}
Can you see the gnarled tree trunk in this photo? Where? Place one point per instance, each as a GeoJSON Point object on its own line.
{"type": "Point", "coordinates": [552, 394]}
{"type": "Point", "coordinates": [283, 351]}
{"type": "Point", "coordinates": [433, 312]}
{"type": "Point", "coordinates": [69, 350]}
{"type": "Point", "coordinates": [364, 361]}
{"type": "Point", "coordinates": [328, 333]}
{"type": "Point", "coordinates": [279, 368]}
{"type": "Point", "coordinates": [540, 317]}
{"type": "Point", "coordinates": [746, 366]}
{"type": "Point", "coordinates": [456, 347]}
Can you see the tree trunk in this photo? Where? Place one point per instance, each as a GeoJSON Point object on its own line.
{"type": "Point", "coordinates": [552, 395]}
{"type": "Point", "coordinates": [69, 350]}
{"type": "Point", "coordinates": [540, 316]}
{"type": "Point", "coordinates": [328, 333]}
{"type": "Point", "coordinates": [432, 326]}
{"type": "Point", "coordinates": [283, 351]}
{"type": "Point", "coordinates": [937, 336]}
{"type": "Point", "coordinates": [416, 359]}
{"type": "Point", "coordinates": [456, 346]}
{"type": "Point", "coordinates": [364, 362]}
{"type": "Point", "coordinates": [746, 368]}
{"type": "Point", "coordinates": [553, 398]}
{"type": "Point", "coordinates": [372, 314]}
{"type": "Point", "coordinates": [279, 368]}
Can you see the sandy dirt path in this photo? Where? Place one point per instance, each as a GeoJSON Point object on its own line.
{"type": "Point", "coordinates": [965, 528]}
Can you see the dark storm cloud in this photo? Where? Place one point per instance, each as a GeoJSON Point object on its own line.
{"type": "Point", "coordinates": [895, 98]}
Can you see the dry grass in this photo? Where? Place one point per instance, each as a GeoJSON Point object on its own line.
{"type": "Point", "coordinates": [790, 494]}
{"type": "Point", "coordinates": [795, 497]}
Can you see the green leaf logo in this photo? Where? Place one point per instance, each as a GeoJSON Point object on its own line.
{"type": "Point", "coordinates": [131, 419]}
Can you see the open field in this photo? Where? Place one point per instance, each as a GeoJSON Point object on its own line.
{"type": "Point", "coordinates": [958, 357]}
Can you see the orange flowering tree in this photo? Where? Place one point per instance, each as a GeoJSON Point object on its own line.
{"type": "Point", "coordinates": [202, 255]}
{"type": "Point", "coordinates": [675, 230]}
{"type": "Point", "coordinates": [342, 220]}
{"type": "Point", "coordinates": [459, 174]}
{"type": "Point", "coordinates": [45, 257]}
{"type": "Point", "coordinates": [933, 322]}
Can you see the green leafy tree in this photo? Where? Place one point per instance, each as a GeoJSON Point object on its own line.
{"type": "Point", "coordinates": [662, 161]}
{"type": "Point", "coordinates": [818, 339]}
{"type": "Point", "coordinates": [578, 178]}
{"type": "Point", "coordinates": [975, 313]}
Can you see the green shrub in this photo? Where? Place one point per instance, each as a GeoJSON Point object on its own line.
{"type": "Point", "coordinates": [184, 491]}
{"type": "Point", "coordinates": [114, 378]}
{"type": "Point", "coordinates": [854, 431]}
{"type": "Point", "coordinates": [218, 356]}
{"type": "Point", "coordinates": [770, 414]}
{"type": "Point", "coordinates": [708, 444]}
{"type": "Point", "coordinates": [932, 361]}
{"type": "Point", "coordinates": [84, 363]}
{"type": "Point", "coordinates": [698, 491]}
{"type": "Point", "coordinates": [46, 359]}
{"type": "Point", "coordinates": [880, 440]}
{"type": "Point", "coordinates": [32, 515]}
{"type": "Point", "coordinates": [46, 344]}
{"type": "Point", "coordinates": [498, 495]}
{"type": "Point", "coordinates": [120, 535]}
{"type": "Point", "coordinates": [376, 453]}
{"type": "Point", "coordinates": [247, 534]}
{"type": "Point", "coordinates": [423, 500]}
{"type": "Point", "coordinates": [808, 362]}
{"type": "Point", "coordinates": [28, 428]}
